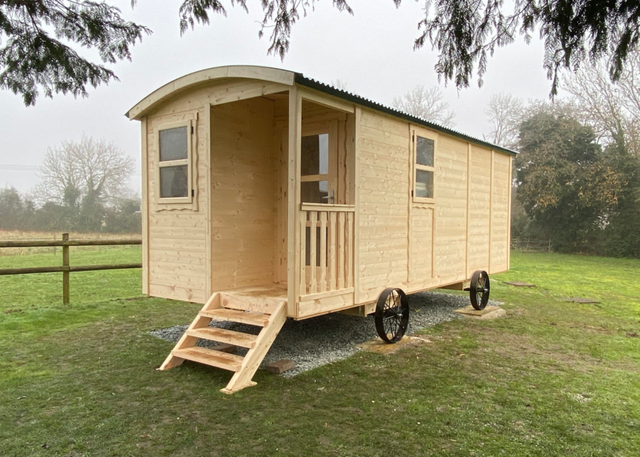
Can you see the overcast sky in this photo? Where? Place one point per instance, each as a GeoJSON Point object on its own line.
{"type": "Point", "coordinates": [372, 52]}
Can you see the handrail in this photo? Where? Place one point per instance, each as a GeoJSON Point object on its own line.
{"type": "Point", "coordinates": [327, 207]}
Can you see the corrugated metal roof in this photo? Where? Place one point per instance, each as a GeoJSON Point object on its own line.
{"type": "Point", "coordinates": [326, 88]}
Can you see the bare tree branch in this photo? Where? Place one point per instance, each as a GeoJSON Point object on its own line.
{"type": "Point", "coordinates": [76, 169]}
{"type": "Point", "coordinates": [505, 113]}
{"type": "Point", "coordinates": [427, 104]}
{"type": "Point", "coordinates": [611, 108]}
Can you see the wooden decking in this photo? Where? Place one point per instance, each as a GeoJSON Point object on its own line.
{"type": "Point", "coordinates": [266, 291]}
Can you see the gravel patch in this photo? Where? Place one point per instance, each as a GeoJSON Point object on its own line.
{"type": "Point", "coordinates": [315, 342]}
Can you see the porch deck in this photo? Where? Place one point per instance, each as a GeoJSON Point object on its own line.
{"type": "Point", "coordinates": [266, 291]}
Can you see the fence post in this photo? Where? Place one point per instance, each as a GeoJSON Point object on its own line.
{"type": "Point", "coordinates": [65, 274]}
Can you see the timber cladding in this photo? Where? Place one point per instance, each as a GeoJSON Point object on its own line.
{"type": "Point", "coordinates": [413, 245]}
{"type": "Point", "coordinates": [243, 185]}
{"type": "Point", "coordinates": [177, 233]}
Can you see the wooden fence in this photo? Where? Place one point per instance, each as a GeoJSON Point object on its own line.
{"type": "Point", "coordinates": [67, 269]}
{"type": "Point", "coordinates": [529, 244]}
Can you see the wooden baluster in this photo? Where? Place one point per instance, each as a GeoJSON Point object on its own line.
{"type": "Point", "coordinates": [323, 251]}
{"type": "Point", "coordinates": [341, 219]}
{"type": "Point", "coordinates": [332, 251]}
{"type": "Point", "coordinates": [303, 255]}
{"type": "Point", "coordinates": [313, 219]}
{"type": "Point", "coordinates": [349, 241]}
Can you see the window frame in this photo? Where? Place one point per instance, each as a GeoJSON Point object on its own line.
{"type": "Point", "coordinates": [330, 129]}
{"type": "Point", "coordinates": [416, 166]}
{"type": "Point", "coordinates": [173, 163]}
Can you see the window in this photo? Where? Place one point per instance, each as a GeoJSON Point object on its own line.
{"type": "Point", "coordinates": [314, 169]}
{"type": "Point", "coordinates": [174, 159]}
{"type": "Point", "coordinates": [423, 184]}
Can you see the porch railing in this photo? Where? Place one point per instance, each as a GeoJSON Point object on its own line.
{"type": "Point", "coordinates": [326, 248]}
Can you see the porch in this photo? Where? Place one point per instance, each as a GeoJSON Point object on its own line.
{"type": "Point", "coordinates": [283, 187]}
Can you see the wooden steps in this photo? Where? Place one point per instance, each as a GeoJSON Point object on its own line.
{"type": "Point", "coordinates": [241, 317]}
{"type": "Point", "coordinates": [244, 340]}
{"type": "Point", "coordinates": [270, 313]}
{"type": "Point", "coordinates": [211, 357]}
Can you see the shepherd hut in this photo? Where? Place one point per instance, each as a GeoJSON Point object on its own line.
{"type": "Point", "coordinates": [268, 195]}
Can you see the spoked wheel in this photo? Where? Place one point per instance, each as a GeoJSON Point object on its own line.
{"type": "Point", "coordinates": [479, 289]}
{"type": "Point", "coordinates": [392, 315]}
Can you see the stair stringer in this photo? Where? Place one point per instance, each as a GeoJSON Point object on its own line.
{"type": "Point", "coordinates": [187, 341]}
{"type": "Point", "coordinates": [251, 363]}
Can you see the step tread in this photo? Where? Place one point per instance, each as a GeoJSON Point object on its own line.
{"type": "Point", "coordinates": [253, 303]}
{"type": "Point", "coordinates": [245, 340]}
{"type": "Point", "coordinates": [241, 317]}
{"type": "Point", "coordinates": [210, 357]}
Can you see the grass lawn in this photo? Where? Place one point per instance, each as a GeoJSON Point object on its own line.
{"type": "Point", "coordinates": [43, 290]}
{"type": "Point", "coordinates": [552, 378]}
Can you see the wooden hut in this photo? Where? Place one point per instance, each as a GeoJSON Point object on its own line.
{"type": "Point", "coordinates": [268, 195]}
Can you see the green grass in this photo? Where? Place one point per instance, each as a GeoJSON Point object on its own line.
{"type": "Point", "coordinates": [551, 379]}
{"type": "Point", "coordinates": [36, 291]}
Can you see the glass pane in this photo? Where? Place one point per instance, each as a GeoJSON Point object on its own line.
{"type": "Point", "coordinates": [174, 182]}
{"type": "Point", "coordinates": [424, 184]}
{"type": "Point", "coordinates": [315, 155]}
{"type": "Point", "coordinates": [424, 151]}
{"type": "Point", "coordinates": [314, 192]}
{"type": "Point", "coordinates": [173, 144]}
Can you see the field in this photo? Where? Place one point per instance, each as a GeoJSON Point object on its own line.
{"type": "Point", "coordinates": [553, 378]}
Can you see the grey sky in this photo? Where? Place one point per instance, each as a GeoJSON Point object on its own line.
{"type": "Point", "coordinates": [372, 52]}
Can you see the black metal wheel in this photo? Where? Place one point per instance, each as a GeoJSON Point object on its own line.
{"type": "Point", "coordinates": [392, 315]}
{"type": "Point", "coordinates": [479, 289]}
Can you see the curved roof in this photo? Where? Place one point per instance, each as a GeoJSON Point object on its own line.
{"type": "Point", "coordinates": [199, 78]}
{"type": "Point", "coordinates": [287, 78]}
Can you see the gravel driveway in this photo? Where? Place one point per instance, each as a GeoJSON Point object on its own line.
{"type": "Point", "coordinates": [314, 342]}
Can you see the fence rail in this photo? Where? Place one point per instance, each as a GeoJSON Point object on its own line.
{"type": "Point", "coordinates": [531, 244]}
{"type": "Point", "coordinates": [66, 269]}
{"type": "Point", "coordinates": [39, 244]}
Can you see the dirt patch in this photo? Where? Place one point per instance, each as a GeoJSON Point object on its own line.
{"type": "Point", "coordinates": [9, 311]}
{"type": "Point", "coordinates": [526, 349]}
{"type": "Point", "coordinates": [380, 347]}
{"type": "Point", "coordinates": [581, 300]}
{"type": "Point", "coordinates": [519, 284]}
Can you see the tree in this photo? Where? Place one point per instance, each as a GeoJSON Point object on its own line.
{"type": "Point", "coordinates": [555, 177]}
{"type": "Point", "coordinates": [612, 109]}
{"type": "Point", "coordinates": [464, 32]}
{"type": "Point", "coordinates": [505, 113]}
{"type": "Point", "coordinates": [341, 85]}
{"type": "Point", "coordinates": [578, 194]}
{"type": "Point", "coordinates": [621, 237]}
{"type": "Point", "coordinates": [82, 177]}
{"type": "Point", "coordinates": [467, 32]}
{"type": "Point", "coordinates": [11, 209]}
{"type": "Point", "coordinates": [124, 217]}
{"type": "Point", "coordinates": [34, 54]}
{"type": "Point", "coordinates": [427, 104]}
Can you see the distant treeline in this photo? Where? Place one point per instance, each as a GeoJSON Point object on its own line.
{"type": "Point", "coordinates": [577, 177]}
{"type": "Point", "coordinates": [570, 189]}
{"type": "Point", "coordinates": [81, 188]}
{"type": "Point", "coordinates": [18, 212]}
